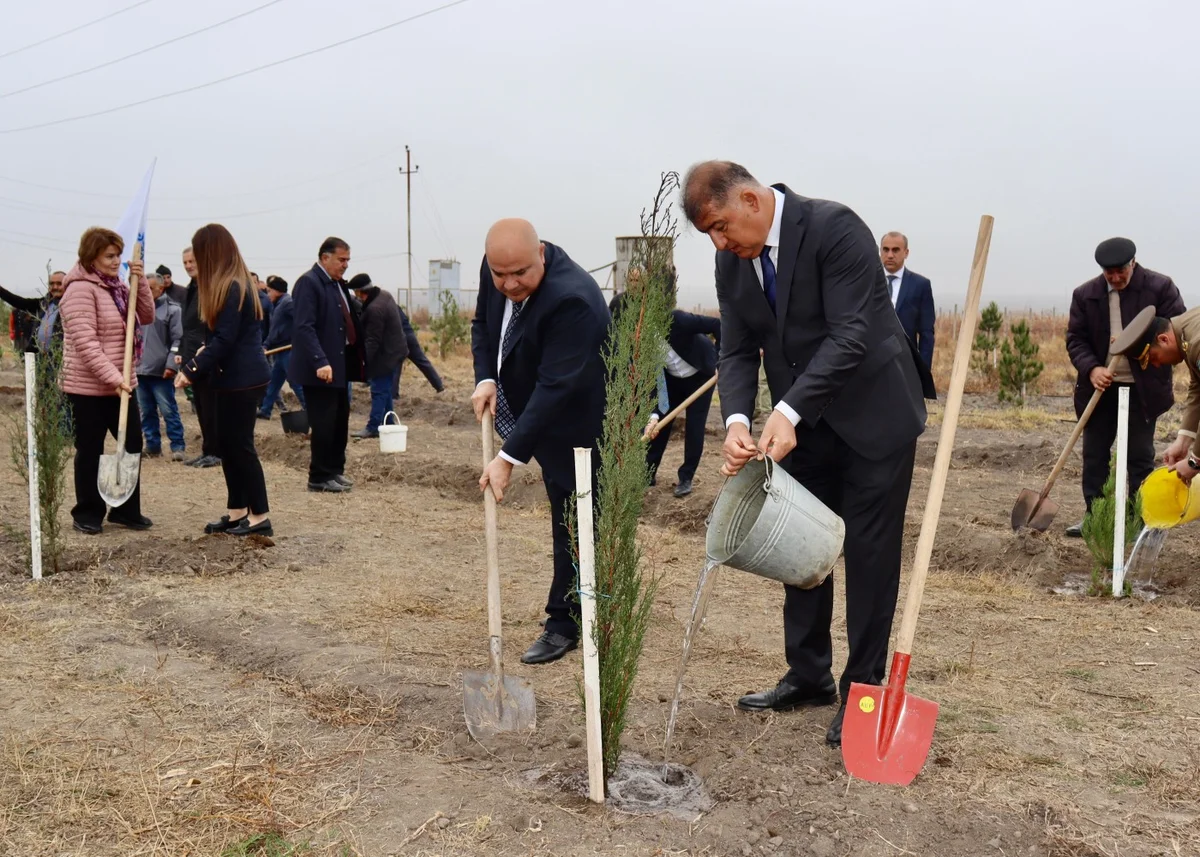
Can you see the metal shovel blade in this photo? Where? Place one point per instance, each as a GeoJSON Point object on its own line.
{"type": "Point", "coordinates": [118, 476]}
{"type": "Point", "coordinates": [493, 705]}
{"type": "Point", "coordinates": [1027, 512]}
{"type": "Point", "coordinates": [887, 732]}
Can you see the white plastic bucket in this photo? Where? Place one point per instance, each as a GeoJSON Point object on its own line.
{"type": "Point", "coordinates": [392, 438]}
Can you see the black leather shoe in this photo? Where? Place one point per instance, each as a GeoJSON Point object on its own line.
{"type": "Point", "coordinates": [224, 525]}
{"type": "Point", "coordinates": [785, 697]}
{"type": "Point", "coordinates": [208, 461]}
{"type": "Point", "coordinates": [1075, 531]}
{"type": "Point", "coordinates": [192, 462]}
{"type": "Point", "coordinates": [833, 737]}
{"type": "Point", "coordinates": [683, 488]}
{"type": "Point", "coordinates": [343, 481]}
{"type": "Point", "coordinates": [548, 647]}
{"type": "Point", "coordinates": [262, 528]}
{"type": "Point", "coordinates": [88, 529]}
{"type": "Point", "coordinates": [330, 487]}
{"type": "Point", "coordinates": [141, 522]}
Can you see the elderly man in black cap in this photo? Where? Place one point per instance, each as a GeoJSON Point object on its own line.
{"type": "Point", "coordinates": [1100, 309]}
{"type": "Point", "coordinates": [1168, 342]}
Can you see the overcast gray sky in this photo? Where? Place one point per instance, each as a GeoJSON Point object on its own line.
{"type": "Point", "coordinates": [1069, 122]}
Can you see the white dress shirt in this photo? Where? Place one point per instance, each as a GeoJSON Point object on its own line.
{"type": "Point", "coordinates": [895, 284]}
{"type": "Point", "coordinates": [677, 367]}
{"type": "Point", "coordinates": [504, 322]}
{"type": "Point", "coordinates": [773, 253]}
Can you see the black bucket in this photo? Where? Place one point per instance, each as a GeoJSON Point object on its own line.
{"type": "Point", "coordinates": [294, 422]}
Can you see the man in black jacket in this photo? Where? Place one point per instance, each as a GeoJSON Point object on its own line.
{"type": "Point", "coordinates": [326, 357]}
{"type": "Point", "coordinates": [384, 348]}
{"type": "Point", "coordinates": [203, 397]}
{"type": "Point", "coordinates": [539, 329]}
{"type": "Point", "coordinates": [691, 361]}
{"type": "Point", "coordinates": [280, 335]}
{"type": "Point", "coordinates": [417, 355]}
{"type": "Point", "coordinates": [802, 294]}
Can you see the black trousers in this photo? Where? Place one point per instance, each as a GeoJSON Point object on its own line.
{"type": "Point", "coordinates": [1100, 434]}
{"type": "Point", "coordinates": [236, 414]}
{"type": "Point", "coordinates": [558, 475]}
{"type": "Point", "coordinates": [328, 409]}
{"type": "Point", "coordinates": [95, 418]}
{"type": "Point", "coordinates": [679, 389]}
{"type": "Point", "coordinates": [206, 415]}
{"type": "Point", "coordinates": [870, 496]}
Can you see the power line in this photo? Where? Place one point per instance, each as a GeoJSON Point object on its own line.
{"type": "Point", "coordinates": [138, 53]}
{"type": "Point", "coordinates": [230, 77]}
{"type": "Point", "coordinates": [74, 29]}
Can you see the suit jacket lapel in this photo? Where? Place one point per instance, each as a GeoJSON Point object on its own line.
{"type": "Point", "coordinates": [906, 287]}
{"type": "Point", "coordinates": [791, 234]}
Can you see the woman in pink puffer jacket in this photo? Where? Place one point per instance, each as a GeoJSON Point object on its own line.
{"type": "Point", "coordinates": [94, 310]}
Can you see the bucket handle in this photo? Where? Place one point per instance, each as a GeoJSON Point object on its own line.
{"type": "Point", "coordinates": [770, 465]}
{"type": "Point", "coordinates": [390, 414]}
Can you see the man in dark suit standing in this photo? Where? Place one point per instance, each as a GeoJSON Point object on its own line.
{"type": "Point", "coordinates": [799, 279]}
{"type": "Point", "coordinates": [691, 361]}
{"type": "Point", "coordinates": [1100, 309]}
{"type": "Point", "coordinates": [911, 294]}
{"type": "Point", "coordinates": [326, 356]}
{"type": "Point", "coordinates": [539, 329]}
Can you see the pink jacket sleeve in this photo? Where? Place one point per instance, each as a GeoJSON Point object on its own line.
{"type": "Point", "coordinates": [81, 327]}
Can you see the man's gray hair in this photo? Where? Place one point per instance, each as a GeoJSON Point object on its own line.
{"type": "Point", "coordinates": [711, 183]}
{"type": "Point", "coordinates": [156, 277]}
{"type": "Point", "coordinates": [894, 234]}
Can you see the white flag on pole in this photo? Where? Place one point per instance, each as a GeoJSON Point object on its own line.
{"type": "Point", "coordinates": [132, 227]}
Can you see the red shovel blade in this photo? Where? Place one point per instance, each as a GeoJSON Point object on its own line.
{"type": "Point", "coordinates": [887, 732]}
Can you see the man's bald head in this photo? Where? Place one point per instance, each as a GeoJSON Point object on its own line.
{"type": "Point", "coordinates": [515, 257]}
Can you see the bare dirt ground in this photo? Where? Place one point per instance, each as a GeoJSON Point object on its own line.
{"type": "Point", "coordinates": [170, 693]}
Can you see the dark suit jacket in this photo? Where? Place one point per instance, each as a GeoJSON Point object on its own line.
{"type": "Point", "coordinates": [834, 351]}
{"type": "Point", "coordinates": [554, 376]}
{"type": "Point", "coordinates": [319, 331]}
{"type": "Point", "coordinates": [914, 307]}
{"type": "Point", "coordinates": [689, 338]}
{"type": "Point", "coordinates": [194, 330]}
{"type": "Point", "coordinates": [232, 358]}
{"type": "Point", "coordinates": [283, 319]}
{"type": "Point", "coordinates": [1089, 334]}
{"type": "Point", "coordinates": [383, 335]}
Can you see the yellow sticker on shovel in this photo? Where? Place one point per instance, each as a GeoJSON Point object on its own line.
{"type": "Point", "coordinates": [866, 704]}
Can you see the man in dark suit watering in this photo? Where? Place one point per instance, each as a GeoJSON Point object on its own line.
{"type": "Point", "coordinates": [799, 279]}
{"type": "Point", "coordinates": [537, 337]}
{"type": "Point", "coordinates": [911, 294]}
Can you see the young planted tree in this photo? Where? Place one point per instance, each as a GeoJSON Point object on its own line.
{"type": "Point", "coordinates": [634, 355]}
{"type": "Point", "coordinates": [1018, 366]}
{"type": "Point", "coordinates": [54, 441]}
{"type": "Point", "coordinates": [450, 328]}
{"type": "Point", "coordinates": [987, 339]}
{"type": "Point", "coordinates": [1099, 529]}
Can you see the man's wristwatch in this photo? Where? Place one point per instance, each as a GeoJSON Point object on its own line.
{"type": "Point", "coordinates": [1193, 463]}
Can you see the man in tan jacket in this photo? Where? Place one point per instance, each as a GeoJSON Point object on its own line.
{"type": "Point", "coordinates": [1166, 343]}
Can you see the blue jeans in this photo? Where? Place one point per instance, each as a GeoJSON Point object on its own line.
{"type": "Point", "coordinates": [157, 395]}
{"type": "Point", "coordinates": [279, 370]}
{"type": "Point", "coordinates": [381, 399]}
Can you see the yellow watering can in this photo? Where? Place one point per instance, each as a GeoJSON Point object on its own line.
{"type": "Point", "coordinates": [1167, 502]}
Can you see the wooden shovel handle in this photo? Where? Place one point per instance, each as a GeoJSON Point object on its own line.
{"type": "Point", "coordinates": [279, 350]}
{"type": "Point", "coordinates": [708, 385]}
{"type": "Point", "coordinates": [493, 550]}
{"type": "Point", "coordinates": [130, 323]}
{"type": "Point", "coordinates": [941, 463]}
{"type": "Point", "coordinates": [1074, 438]}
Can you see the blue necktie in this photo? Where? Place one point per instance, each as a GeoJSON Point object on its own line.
{"type": "Point", "coordinates": [768, 272]}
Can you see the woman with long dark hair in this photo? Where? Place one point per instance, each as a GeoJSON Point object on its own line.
{"type": "Point", "coordinates": [232, 364]}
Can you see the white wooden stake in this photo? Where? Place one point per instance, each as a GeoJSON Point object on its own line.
{"type": "Point", "coordinates": [587, 605]}
{"type": "Point", "coordinates": [1119, 495]}
{"type": "Point", "coordinates": [35, 506]}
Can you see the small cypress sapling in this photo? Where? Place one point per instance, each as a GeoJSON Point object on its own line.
{"type": "Point", "coordinates": [1099, 528]}
{"type": "Point", "coordinates": [1019, 366]}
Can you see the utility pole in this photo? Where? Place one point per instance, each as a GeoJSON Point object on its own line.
{"type": "Point", "coordinates": [407, 172]}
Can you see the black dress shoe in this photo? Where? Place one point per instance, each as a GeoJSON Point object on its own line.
{"type": "Point", "coordinates": [785, 697]}
{"type": "Point", "coordinates": [548, 647]}
{"type": "Point", "coordinates": [330, 487]}
{"type": "Point", "coordinates": [262, 528]}
{"type": "Point", "coordinates": [192, 462]}
{"type": "Point", "coordinates": [140, 522]}
{"type": "Point", "coordinates": [833, 737]}
{"type": "Point", "coordinates": [343, 481]}
{"type": "Point", "coordinates": [1075, 531]}
{"type": "Point", "coordinates": [88, 529]}
{"type": "Point", "coordinates": [208, 461]}
{"type": "Point", "coordinates": [224, 525]}
{"type": "Point", "coordinates": [683, 488]}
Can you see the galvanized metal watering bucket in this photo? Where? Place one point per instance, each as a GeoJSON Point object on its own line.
{"type": "Point", "coordinates": [767, 523]}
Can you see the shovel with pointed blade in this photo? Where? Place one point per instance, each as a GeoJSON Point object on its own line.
{"type": "Point", "coordinates": [1036, 510]}
{"type": "Point", "coordinates": [887, 731]}
{"type": "Point", "coordinates": [118, 473]}
{"type": "Point", "coordinates": [492, 701]}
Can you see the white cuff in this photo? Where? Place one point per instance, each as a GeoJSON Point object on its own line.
{"type": "Point", "coordinates": [511, 460]}
{"type": "Point", "coordinates": [738, 418]}
{"type": "Point", "coordinates": [484, 381]}
{"type": "Point", "coordinates": [1188, 434]}
{"type": "Point", "coordinates": [787, 410]}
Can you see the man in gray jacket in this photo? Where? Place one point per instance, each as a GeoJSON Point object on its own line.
{"type": "Point", "coordinates": [156, 371]}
